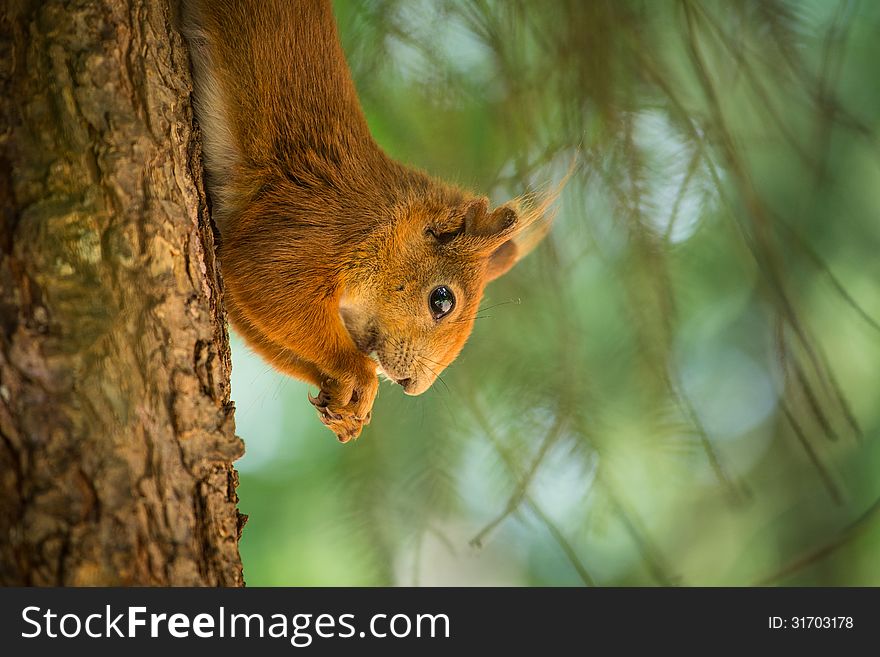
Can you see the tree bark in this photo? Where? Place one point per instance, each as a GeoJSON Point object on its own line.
{"type": "Point", "coordinates": [116, 430]}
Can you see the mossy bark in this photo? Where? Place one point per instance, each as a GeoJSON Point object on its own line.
{"type": "Point", "coordinates": [116, 430]}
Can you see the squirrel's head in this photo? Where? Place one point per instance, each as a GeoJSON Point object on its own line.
{"type": "Point", "coordinates": [414, 314]}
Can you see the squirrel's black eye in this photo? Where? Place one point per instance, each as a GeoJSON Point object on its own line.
{"type": "Point", "coordinates": [441, 301]}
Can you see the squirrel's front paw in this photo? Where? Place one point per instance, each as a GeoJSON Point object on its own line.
{"type": "Point", "coordinates": [345, 406]}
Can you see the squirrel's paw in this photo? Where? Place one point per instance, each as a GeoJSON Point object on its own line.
{"type": "Point", "coordinates": [346, 407]}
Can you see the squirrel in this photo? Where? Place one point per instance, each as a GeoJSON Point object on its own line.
{"type": "Point", "coordinates": [338, 261]}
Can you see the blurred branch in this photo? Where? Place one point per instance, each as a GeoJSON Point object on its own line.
{"type": "Point", "coordinates": [766, 255]}
{"type": "Point", "coordinates": [736, 90]}
{"type": "Point", "coordinates": [822, 266]}
{"type": "Point", "coordinates": [514, 467]}
{"type": "Point", "coordinates": [519, 493]}
{"type": "Point", "coordinates": [560, 539]}
{"type": "Point", "coordinates": [666, 371]}
{"type": "Point", "coordinates": [850, 532]}
{"type": "Point", "coordinates": [738, 54]}
{"type": "Point", "coordinates": [825, 475]}
{"type": "Point", "coordinates": [651, 555]}
{"type": "Point", "coordinates": [693, 165]}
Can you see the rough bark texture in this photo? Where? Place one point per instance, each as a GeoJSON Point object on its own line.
{"type": "Point", "coordinates": [116, 430]}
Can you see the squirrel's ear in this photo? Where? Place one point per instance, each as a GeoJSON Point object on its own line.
{"type": "Point", "coordinates": [478, 221]}
{"type": "Point", "coordinates": [501, 260]}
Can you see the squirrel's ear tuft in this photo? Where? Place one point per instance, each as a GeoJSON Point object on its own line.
{"type": "Point", "coordinates": [501, 260]}
{"type": "Point", "coordinates": [479, 222]}
{"type": "Point", "coordinates": [515, 233]}
{"type": "Point", "coordinates": [512, 230]}
{"type": "Point", "coordinates": [475, 215]}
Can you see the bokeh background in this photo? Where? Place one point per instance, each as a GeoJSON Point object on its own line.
{"type": "Point", "coordinates": [681, 385]}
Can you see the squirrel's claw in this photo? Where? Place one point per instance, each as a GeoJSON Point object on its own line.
{"type": "Point", "coordinates": [321, 400]}
{"type": "Point", "coordinates": [345, 418]}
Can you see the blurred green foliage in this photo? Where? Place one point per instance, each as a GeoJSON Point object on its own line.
{"type": "Point", "coordinates": [681, 385]}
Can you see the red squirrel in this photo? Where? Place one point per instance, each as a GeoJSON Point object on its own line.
{"type": "Point", "coordinates": [338, 261]}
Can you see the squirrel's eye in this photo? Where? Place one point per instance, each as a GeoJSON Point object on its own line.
{"type": "Point", "coordinates": [441, 301]}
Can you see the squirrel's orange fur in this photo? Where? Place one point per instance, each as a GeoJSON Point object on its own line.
{"type": "Point", "coordinates": [330, 250]}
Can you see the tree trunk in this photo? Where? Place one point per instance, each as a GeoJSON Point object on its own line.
{"type": "Point", "coordinates": [116, 425]}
